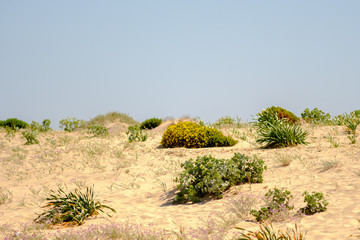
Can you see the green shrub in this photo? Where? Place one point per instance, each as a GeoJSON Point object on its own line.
{"type": "Point", "coordinates": [208, 175]}
{"type": "Point", "coordinates": [72, 208]}
{"type": "Point", "coordinates": [98, 130]}
{"type": "Point", "coordinates": [70, 124]}
{"type": "Point", "coordinates": [280, 133]}
{"type": "Point", "coordinates": [150, 123]}
{"type": "Point", "coordinates": [14, 124]}
{"type": "Point", "coordinates": [193, 135]}
{"type": "Point", "coordinates": [315, 202]}
{"type": "Point", "coordinates": [41, 128]}
{"type": "Point", "coordinates": [277, 200]}
{"type": "Point", "coordinates": [135, 134]}
{"type": "Point", "coordinates": [30, 136]}
{"type": "Point", "coordinates": [111, 117]}
{"type": "Point", "coordinates": [273, 113]}
{"type": "Point", "coordinates": [315, 116]}
{"type": "Point", "coordinates": [45, 125]}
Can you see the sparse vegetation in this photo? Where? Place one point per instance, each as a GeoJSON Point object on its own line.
{"type": "Point", "coordinates": [97, 130]}
{"type": "Point", "coordinates": [267, 232]}
{"type": "Point", "coordinates": [111, 117]}
{"type": "Point", "coordinates": [70, 124]}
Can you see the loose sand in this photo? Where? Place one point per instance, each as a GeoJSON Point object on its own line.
{"type": "Point", "coordinates": [137, 179]}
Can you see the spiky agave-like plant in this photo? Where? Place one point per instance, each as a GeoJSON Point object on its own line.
{"type": "Point", "coordinates": [279, 133]}
{"type": "Point", "coordinates": [72, 208]}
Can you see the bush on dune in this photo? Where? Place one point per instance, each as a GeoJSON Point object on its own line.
{"type": "Point", "coordinates": [193, 135]}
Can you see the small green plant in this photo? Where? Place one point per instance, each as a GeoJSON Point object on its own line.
{"type": "Point", "coordinates": [352, 122]}
{"type": "Point", "coordinates": [70, 124]}
{"type": "Point", "coordinates": [30, 136]}
{"type": "Point", "coordinates": [277, 200]}
{"type": "Point", "coordinates": [208, 175]}
{"type": "Point", "coordinates": [71, 208]}
{"type": "Point", "coordinates": [150, 123]}
{"type": "Point", "coordinates": [279, 133]}
{"type": "Point", "coordinates": [315, 116]}
{"type": "Point", "coordinates": [5, 196]}
{"type": "Point", "coordinates": [267, 232]}
{"type": "Point", "coordinates": [332, 141]}
{"type": "Point", "coordinates": [98, 130]}
{"type": "Point", "coordinates": [10, 133]}
{"type": "Point", "coordinates": [315, 203]}
{"type": "Point", "coordinates": [135, 134]}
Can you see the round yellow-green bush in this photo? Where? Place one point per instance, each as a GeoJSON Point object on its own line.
{"type": "Point", "coordinates": [193, 135]}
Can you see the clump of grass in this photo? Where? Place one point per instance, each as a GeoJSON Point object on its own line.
{"type": "Point", "coordinates": [328, 164]}
{"type": "Point", "coordinates": [280, 133]}
{"type": "Point", "coordinates": [111, 117]}
{"type": "Point", "coordinates": [333, 141]}
{"type": "Point", "coordinates": [267, 232]}
{"type": "Point", "coordinates": [71, 208]}
{"type": "Point", "coordinates": [284, 159]}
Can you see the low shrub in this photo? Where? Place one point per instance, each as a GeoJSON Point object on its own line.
{"type": "Point", "coordinates": [150, 123]}
{"type": "Point", "coordinates": [98, 130]}
{"type": "Point", "coordinates": [30, 136]}
{"type": "Point", "coordinates": [208, 175]}
{"type": "Point", "coordinates": [14, 124]}
{"type": "Point", "coordinates": [135, 134]}
{"type": "Point", "coordinates": [273, 113]}
{"type": "Point", "coordinates": [316, 116]}
{"type": "Point", "coordinates": [70, 124]}
{"type": "Point", "coordinates": [280, 133]}
{"type": "Point", "coordinates": [277, 200]}
{"type": "Point", "coordinates": [315, 203]}
{"type": "Point", "coordinates": [193, 135]}
{"type": "Point", "coordinates": [71, 208]}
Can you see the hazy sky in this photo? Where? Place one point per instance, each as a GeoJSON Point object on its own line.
{"type": "Point", "coordinates": [205, 58]}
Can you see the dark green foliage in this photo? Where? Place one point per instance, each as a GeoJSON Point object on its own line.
{"type": "Point", "coordinates": [98, 130]}
{"type": "Point", "coordinates": [315, 202]}
{"type": "Point", "coordinates": [277, 200]}
{"type": "Point", "coordinates": [14, 124]}
{"type": "Point", "coordinates": [135, 134]}
{"type": "Point", "coordinates": [193, 135]}
{"type": "Point", "coordinates": [208, 175]}
{"type": "Point", "coordinates": [45, 125]}
{"type": "Point", "coordinates": [73, 207]}
{"type": "Point", "coordinates": [150, 123]}
{"type": "Point", "coordinates": [272, 113]}
{"type": "Point", "coordinates": [70, 124]}
{"type": "Point", "coordinates": [30, 136]}
{"type": "Point", "coordinates": [315, 116]}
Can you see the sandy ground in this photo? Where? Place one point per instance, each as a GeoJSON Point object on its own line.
{"type": "Point", "coordinates": [137, 179]}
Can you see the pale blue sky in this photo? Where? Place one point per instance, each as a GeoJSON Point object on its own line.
{"type": "Point", "coordinates": [146, 58]}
